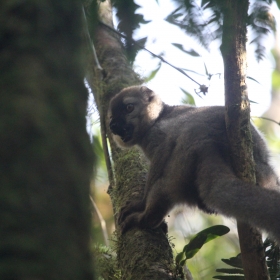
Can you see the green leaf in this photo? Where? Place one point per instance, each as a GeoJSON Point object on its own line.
{"type": "Point", "coordinates": [191, 52]}
{"type": "Point", "coordinates": [153, 73]}
{"type": "Point", "coordinates": [231, 270]}
{"type": "Point", "coordinates": [203, 237]}
{"type": "Point", "coordinates": [234, 261]}
{"type": "Point", "coordinates": [275, 80]}
{"type": "Point", "coordinates": [182, 263]}
{"type": "Point", "coordinates": [188, 99]}
{"type": "Point", "coordinates": [214, 232]}
{"type": "Point", "coordinates": [179, 257]}
{"type": "Point", "coordinates": [229, 277]}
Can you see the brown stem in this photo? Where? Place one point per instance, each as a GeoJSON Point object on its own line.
{"type": "Point", "coordinates": [237, 116]}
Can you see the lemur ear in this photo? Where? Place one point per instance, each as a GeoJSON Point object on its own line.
{"type": "Point", "coordinates": [148, 93]}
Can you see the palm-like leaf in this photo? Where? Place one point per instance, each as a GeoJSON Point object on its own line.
{"type": "Point", "coordinates": [129, 21]}
{"type": "Point", "coordinates": [203, 20]}
{"type": "Point", "coordinates": [261, 22]}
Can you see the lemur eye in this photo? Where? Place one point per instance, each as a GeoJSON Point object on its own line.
{"type": "Point", "coordinates": [129, 107]}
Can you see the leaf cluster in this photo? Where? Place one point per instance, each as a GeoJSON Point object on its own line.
{"type": "Point", "coordinates": [203, 20]}
{"type": "Point", "coordinates": [261, 22]}
{"type": "Point", "coordinates": [129, 21]}
{"type": "Point", "coordinates": [197, 242]}
{"type": "Point", "coordinates": [272, 254]}
{"type": "Point", "coordinates": [91, 11]}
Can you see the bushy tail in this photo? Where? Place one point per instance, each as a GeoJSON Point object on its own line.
{"type": "Point", "coordinates": [253, 204]}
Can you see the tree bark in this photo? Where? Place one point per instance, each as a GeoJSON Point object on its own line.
{"type": "Point", "coordinates": [237, 116]}
{"type": "Point", "coordinates": [141, 254]}
{"type": "Point", "coordinates": [45, 153]}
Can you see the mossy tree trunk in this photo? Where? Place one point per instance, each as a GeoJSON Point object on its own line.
{"type": "Point", "coordinates": [45, 151]}
{"type": "Point", "coordinates": [141, 254]}
{"type": "Point", "coordinates": [238, 125]}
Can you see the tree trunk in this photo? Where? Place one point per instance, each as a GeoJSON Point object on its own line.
{"type": "Point", "coordinates": [45, 151]}
{"type": "Point", "coordinates": [141, 254]}
{"type": "Point", "coordinates": [238, 125]}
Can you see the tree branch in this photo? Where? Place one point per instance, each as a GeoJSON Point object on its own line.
{"type": "Point", "coordinates": [237, 116]}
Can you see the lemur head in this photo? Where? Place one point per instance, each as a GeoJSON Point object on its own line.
{"type": "Point", "coordinates": [132, 112]}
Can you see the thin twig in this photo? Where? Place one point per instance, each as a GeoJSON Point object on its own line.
{"type": "Point", "coordinates": [90, 43]}
{"type": "Point", "coordinates": [267, 119]}
{"type": "Point", "coordinates": [153, 54]}
{"type": "Point", "coordinates": [102, 222]}
{"type": "Point", "coordinates": [98, 101]}
{"type": "Point", "coordinates": [105, 147]}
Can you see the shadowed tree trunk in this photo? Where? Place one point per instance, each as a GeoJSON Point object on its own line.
{"type": "Point", "coordinates": [45, 152]}
{"type": "Point", "coordinates": [238, 126]}
{"type": "Point", "coordinates": [141, 254]}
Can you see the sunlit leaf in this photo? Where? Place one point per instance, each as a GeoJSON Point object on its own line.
{"type": "Point", "coordinates": [188, 99]}
{"type": "Point", "coordinates": [153, 73]}
{"type": "Point", "coordinates": [275, 79]}
{"type": "Point", "coordinates": [194, 245]}
{"type": "Point", "coordinates": [179, 257]}
{"type": "Point", "coordinates": [203, 237]}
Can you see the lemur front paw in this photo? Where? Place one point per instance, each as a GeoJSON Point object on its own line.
{"type": "Point", "coordinates": [129, 208]}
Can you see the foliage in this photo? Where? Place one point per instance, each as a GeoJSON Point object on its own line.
{"type": "Point", "coordinates": [129, 21]}
{"type": "Point", "coordinates": [234, 273]}
{"type": "Point", "coordinates": [91, 11]}
{"type": "Point", "coordinates": [261, 22]}
{"type": "Point", "coordinates": [99, 160]}
{"type": "Point", "coordinates": [106, 264]}
{"type": "Point", "coordinates": [204, 21]}
{"type": "Point", "coordinates": [189, 17]}
{"type": "Point", "coordinates": [153, 73]}
{"type": "Point", "coordinates": [272, 255]}
{"type": "Point", "coordinates": [188, 99]}
{"type": "Point", "coordinates": [197, 242]}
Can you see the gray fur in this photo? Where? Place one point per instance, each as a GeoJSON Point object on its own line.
{"type": "Point", "coordinates": [189, 163]}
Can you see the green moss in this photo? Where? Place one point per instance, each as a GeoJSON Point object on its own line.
{"type": "Point", "coordinates": [106, 263]}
